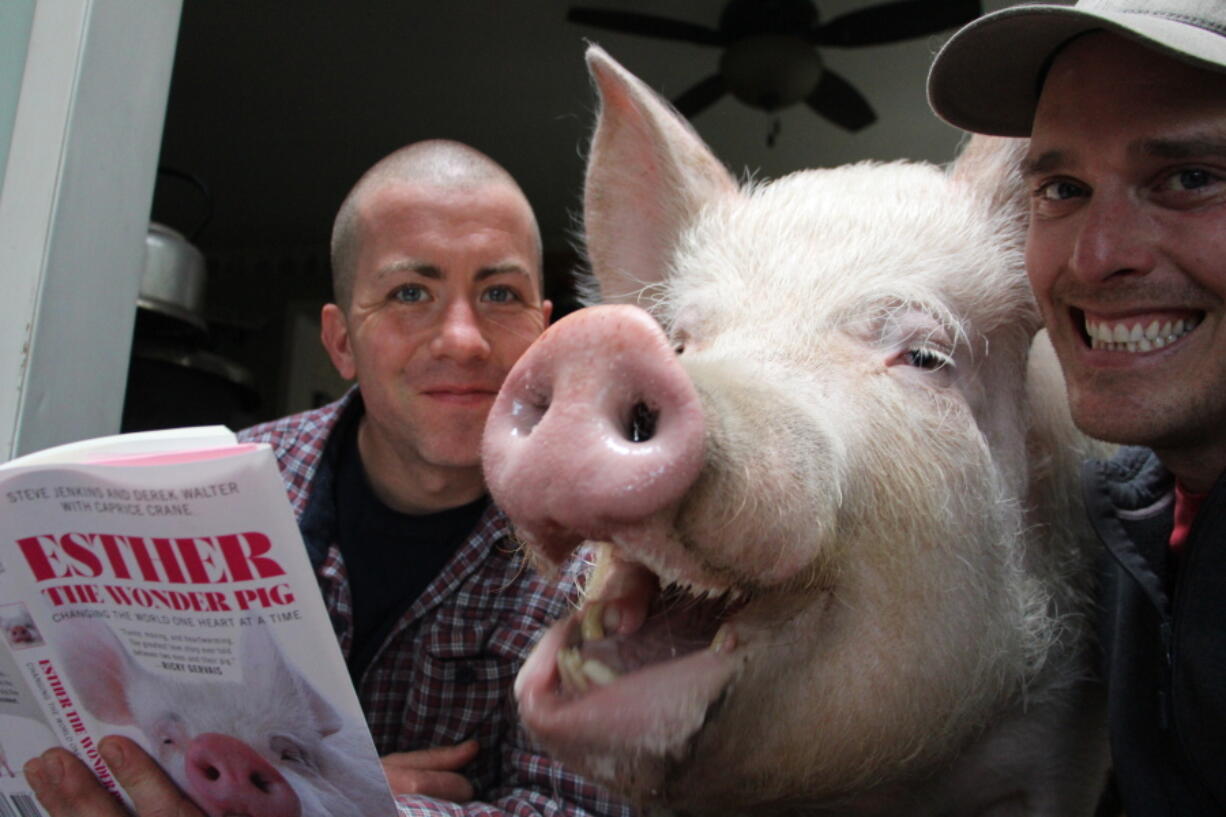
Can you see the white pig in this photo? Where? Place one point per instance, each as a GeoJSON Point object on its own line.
{"type": "Point", "coordinates": [843, 564]}
{"type": "Point", "coordinates": [268, 747]}
{"type": "Point", "coordinates": [20, 630]}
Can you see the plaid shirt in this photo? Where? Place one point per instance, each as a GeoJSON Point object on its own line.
{"type": "Point", "coordinates": [445, 671]}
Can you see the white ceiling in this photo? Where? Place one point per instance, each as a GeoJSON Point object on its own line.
{"type": "Point", "coordinates": [278, 105]}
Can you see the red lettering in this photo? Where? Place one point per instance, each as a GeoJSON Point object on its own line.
{"type": "Point", "coordinates": [249, 562]}
{"type": "Point", "coordinates": [144, 561]}
{"type": "Point", "coordinates": [170, 564]}
{"type": "Point", "coordinates": [232, 557]}
{"type": "Point", "coordinates": [43, 558]}
{"type": "Point", "coordinates": [114, 556]}
{"type": "Point", "coordinates": [76, 547]}
{"type": "Point", "coordinates": [200, 560]}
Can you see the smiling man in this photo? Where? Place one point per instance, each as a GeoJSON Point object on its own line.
{"type": "Point", "coordinates": [1125, 105]}
{"type": "Point", "coordinates": [436, 263]}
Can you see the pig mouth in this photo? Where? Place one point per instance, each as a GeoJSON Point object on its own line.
{"type": "Point", "coordinates": [643, 687]}
{"type": "Point", "coordinates": [676, 624]}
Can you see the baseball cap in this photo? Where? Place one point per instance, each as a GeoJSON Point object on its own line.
{"type": "Point", "coordinates": [988, 76]}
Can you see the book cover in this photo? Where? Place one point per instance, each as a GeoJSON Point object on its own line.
{"type": "Point", "coordinates": [155, 585]}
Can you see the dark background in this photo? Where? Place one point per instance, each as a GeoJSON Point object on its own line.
{"type": "Point", "coordinates": [277, 107]}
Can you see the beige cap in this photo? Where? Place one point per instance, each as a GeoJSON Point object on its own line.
{"type": "Point", "coordinates": [988, 76]}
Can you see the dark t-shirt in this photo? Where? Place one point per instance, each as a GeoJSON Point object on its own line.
{"type": "Point", "coordinates": [390, 557]}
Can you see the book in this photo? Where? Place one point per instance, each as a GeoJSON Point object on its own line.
{"type": "Point", "coordinates": [156, 585]}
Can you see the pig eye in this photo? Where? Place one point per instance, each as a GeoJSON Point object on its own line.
{"type": "Point", "coordinates": [168, 732]}
{"type": "Point", "coordinates": [290, 751]}
{"type": "Point", "coordinates": [925, 358]}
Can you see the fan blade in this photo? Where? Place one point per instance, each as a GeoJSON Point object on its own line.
{"type": "Point", "coordinates": [836, 99]}
{"type": "Point", "coordinates": [646, 25]}
{"type": "Point", "coordinates": [698, 98]}
{"type": "Point", "coordinates": [891, 22]}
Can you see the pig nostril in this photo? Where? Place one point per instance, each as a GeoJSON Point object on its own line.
{"type": "Point", "coordinates": [260, 782]}
{"type": "Point", "coordinates": [526, 413]}
{"type": "Point", "coordinates": [642, 423]}
{"type": "Point", "coordinates": [211, 773]}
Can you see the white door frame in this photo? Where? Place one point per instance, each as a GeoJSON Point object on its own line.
{"type": "Point", "coordinates": [74, 210]}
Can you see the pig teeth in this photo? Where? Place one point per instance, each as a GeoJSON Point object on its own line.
{"type": "Point", "coordinates": [591, 628]}
{"type": "Point", "coordinates": [598, 673]}
{"type": "Point", "coordinates": [570, 667]}
{"type": "Point", "coordinates": [725, 639]}
{"type": "Point", "coordinates": [579, 675]}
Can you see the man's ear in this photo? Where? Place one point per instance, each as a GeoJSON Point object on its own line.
{"type": "Point", "coordinates": [334, 332]}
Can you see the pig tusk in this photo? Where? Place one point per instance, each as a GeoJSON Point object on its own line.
{"type": "Point", "coordinates": [598, 672]}
{"type": "Point", "coordinates": [592, 626]}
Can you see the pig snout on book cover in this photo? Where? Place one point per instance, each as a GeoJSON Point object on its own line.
{"type": "Point", "coordinates": [270, 746]}
{"type": "Point", "coordinates": [822, 451]}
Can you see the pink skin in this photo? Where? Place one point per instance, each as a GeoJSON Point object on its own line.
{"type": "Point", "coordinates": [571, 400]}
{"type": "Point", "coordinates": [445, 299]}
{"type": "Point", "coordinates": [567, 408]}
{"type": "Point", "coordinates": [226, 777]}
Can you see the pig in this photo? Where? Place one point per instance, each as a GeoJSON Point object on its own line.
{"type": "Point", "coordinates": [818, 448]}
{"type": "Point", "coordinates": [270, 746]}
{"type": "Point", "coordinates": [20, 630]}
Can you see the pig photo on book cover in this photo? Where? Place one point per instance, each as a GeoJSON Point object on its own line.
{"type": "Point", "coordinates": [270, 745]}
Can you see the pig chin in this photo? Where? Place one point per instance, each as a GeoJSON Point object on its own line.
{"type": "Point", "coordinates": [626, 706]}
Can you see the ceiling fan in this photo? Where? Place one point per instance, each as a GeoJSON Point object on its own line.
{"type": "Point", "coordinates": [770, 59]}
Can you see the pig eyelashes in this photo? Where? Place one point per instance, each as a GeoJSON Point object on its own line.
{"type": "Point", "coordinates": [922, 357]}
{"type": "Point", "coordinates": [290, 751]}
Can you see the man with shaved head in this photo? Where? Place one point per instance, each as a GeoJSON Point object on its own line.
{"type": "Point", "coordinates": [436, 264]}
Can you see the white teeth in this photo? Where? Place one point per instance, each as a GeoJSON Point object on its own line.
{"type": "Point", "coordinates": [592, 626]}
{"type": "Point", "coordinates": [1121, 337]}
{"type": "Point", "coordinates": [578, 675]}
{"type": "Point", "coordinates": [570, 667]}
{"type": "Point", "coordinates": [598, 673]}
{"type": "Point", "coordinates": [725, 639]}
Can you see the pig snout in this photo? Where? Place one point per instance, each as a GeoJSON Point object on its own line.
{"type": "Point", "coordinates": [227, 777]}
{"type": "Point", "coordinates": [596, 429]}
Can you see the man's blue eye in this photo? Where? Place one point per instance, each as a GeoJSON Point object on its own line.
{"type": "Point", "coordinates": [1059, 190]}
{"type": "Point", "coordinates": [409, 294]}
{"type": "Point", "coordinates": [500, 294]}
{"type": "Point", "coordinates": [1192, 179]}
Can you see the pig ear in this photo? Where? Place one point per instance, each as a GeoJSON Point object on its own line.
{"type": "Point", "coordinates": [262, 658]}
{"type": "Point", "coordinates": [100, 670]}
{"type": "Point", "coordinates": [992, 167]}
{"type": "Point", "coordinates": [648, 175]}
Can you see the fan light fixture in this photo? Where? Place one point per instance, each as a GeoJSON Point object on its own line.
{"type": "Point", "coordinates": [770, 60]}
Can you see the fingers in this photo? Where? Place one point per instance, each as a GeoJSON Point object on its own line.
{"type": "Point", "coordinates": [442, 785]}
{"type": "Point", "coordinates": [67, 788]}
{"type": "Point", "coordinates": [153, 793]}
{"type": "Point", "coordinates": [436, 758]}
{"type": "Point", "coordinates": [432, 772]}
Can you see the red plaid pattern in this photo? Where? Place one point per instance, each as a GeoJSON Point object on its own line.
{"type": "Point", "coordinates": [445, 672]}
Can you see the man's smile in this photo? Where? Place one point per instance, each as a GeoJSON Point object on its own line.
{"type": "Point", "coordinates": [1138, 333]}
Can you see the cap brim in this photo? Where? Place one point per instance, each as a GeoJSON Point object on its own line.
{"type": "Point", "coordinates": [986, 78]}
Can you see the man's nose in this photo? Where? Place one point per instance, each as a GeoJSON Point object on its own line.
{"type": "Point", "coordinates": [460, 336]}
{"type": "Point", "coordinates": [1114, 239]}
